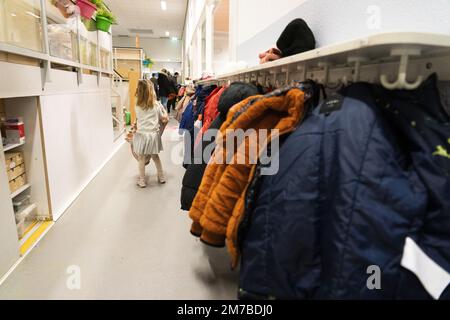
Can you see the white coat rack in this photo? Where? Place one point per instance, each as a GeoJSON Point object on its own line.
{"type": "Point", "coordinates": [400, 60]}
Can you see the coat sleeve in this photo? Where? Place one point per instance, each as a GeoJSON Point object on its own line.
{"type": "Point", "coordinates": [223, 199]}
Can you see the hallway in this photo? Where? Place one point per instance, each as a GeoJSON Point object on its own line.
{"type": "Point", "coordinates": [129, 243]}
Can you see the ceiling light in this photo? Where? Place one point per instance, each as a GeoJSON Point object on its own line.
{"type": "Point", "coordinates": [174, 38]}
{"type": "Point", "coordinates": [164, 5]}
{"type": "Point", "coordinates": [13, 14]}
{"type": "Point", "coordinates": [167, 33]}
{"type": "Point", "coordinates": [33, 15]}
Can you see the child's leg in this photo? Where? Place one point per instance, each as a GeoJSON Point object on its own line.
{"type": "Point", "coordinates": [159, 168]}
{"type": "Point", "coordinates": [142, 160]}
{"type": "Point", "coordinates": [141, 163]}
{"type": "Point", "coordinates": [147, 159]}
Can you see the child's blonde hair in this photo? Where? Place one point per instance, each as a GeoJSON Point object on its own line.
{"type": "Point", "coordinates": [145, 94]}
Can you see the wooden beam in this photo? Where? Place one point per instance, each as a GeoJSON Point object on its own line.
{"type": "Point", "coordinates": [133, 77]}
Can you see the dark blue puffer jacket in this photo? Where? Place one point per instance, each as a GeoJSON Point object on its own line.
{"type": "Point", "coordinates": [188, 119]}
{"type": "Point", "coordinates": [346, 196]}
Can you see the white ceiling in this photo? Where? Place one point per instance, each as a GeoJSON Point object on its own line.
{"type": "Point", "coordinates": [147, 14]}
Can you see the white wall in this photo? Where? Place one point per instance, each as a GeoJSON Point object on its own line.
{"type": "Point", "coordinates": [260, 22]}
{"type": "Point", "coordinates": [194, 13]}
{"type": "Point", "coordinates": [255, 15]}
{"type": "Point", "coordinates": [156, 49]}
{"type": "Point", "coordinates": [221, 53]}
{"type": "Point", "coordinates": [170, 66]}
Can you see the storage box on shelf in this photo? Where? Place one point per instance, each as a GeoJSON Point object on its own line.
{"type": "Point", "coordinates": [23, 209]}
{"type": "Point", "coordinates": [14, 131]}
{"type": "Point", "coordinates": [21, 202]}
{"type": "Point", "coordinates": [15, 168]}
{"type": "Point", "coordinates": [24, 163]}
{"type": "Point", "coordinates": [16, 172]}
{"type": "Point", "coordinates": [13, 159]}
{"type": "Point", "coordinates": [17, 183]}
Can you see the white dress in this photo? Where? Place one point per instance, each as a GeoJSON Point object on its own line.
{"type": "Point", "coordinates": [147, 139]}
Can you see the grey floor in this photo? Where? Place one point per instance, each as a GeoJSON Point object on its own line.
{"type": "Point", "coordinates": [128, 243]}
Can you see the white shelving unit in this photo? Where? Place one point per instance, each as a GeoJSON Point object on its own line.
{"type": "Point", "coordinates": [27, 108]}
{"type": "Point", "coordinates": [27, 211]}
{"type": "Point", "coordinates": [9, 147]}
{"type": "Point", "coordinates": [20, 190]}
{"type": "Point", "coordinates": [56, 94]}
{"type": "Point", "coordinates": [127, 58]}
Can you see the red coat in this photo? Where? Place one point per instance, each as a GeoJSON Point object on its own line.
{"type": "Point", "coordinates": [210, 113]}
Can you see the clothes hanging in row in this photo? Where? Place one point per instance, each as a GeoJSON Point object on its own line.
{"type": "Point", "coordinates": [218, 206]}
{"type": "Point", "coordinates": [230, 96]}
{"type": "Point", "coordinates": [184, 101]}
{"type": "Point", "coordinates": [195, 108]}
{"type": "Point", "coordinates": [363, 184]}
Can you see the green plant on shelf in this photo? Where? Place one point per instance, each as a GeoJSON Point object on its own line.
{"type": "Point", "coordinates": [98, 3]}
{"type": "Point", "coordinates": [105, 13]}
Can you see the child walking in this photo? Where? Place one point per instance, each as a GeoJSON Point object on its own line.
{"type": "Point", "coordinates": [147, 143]}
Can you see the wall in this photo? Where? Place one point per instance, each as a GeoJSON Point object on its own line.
{"type": "Point", "coordinates": [221, 52]}
{"type": "Point", "coordinates": [194, 14]}
{"type": "Point", "coordinates": [332, 21]}
{"type": "Point", "coordinates": [170, 66]}
{"type": "Point", "coordinates": [156, 49]}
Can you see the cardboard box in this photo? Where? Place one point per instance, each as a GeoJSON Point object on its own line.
{"type": "Point", "coordinates": [13, 159]}
{"type": "Point", "coordinates": [15, 132]}
{"type": "Point", "coordinates": [17, 183]}
{"type": "Point", "coordinates": [16, 171]}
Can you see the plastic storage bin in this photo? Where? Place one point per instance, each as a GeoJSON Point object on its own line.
{"type": "Point", "coordinates": [21, 202]}
{"type": "Point", "coordinates": [21, 228]}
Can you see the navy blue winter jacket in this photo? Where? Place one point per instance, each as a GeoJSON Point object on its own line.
{"type": "Point", "coordinates": [353, 183]}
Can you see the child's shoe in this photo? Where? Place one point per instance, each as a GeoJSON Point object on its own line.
{"type": "Point", "coordinates": [141, 183]}
{"type": "Point", "coordinates": [161, 178]}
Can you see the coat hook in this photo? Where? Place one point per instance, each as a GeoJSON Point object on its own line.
{"type": "Point", "coordinates": [274, 78]}
{"type": "Point", "coordinates": [357, 60]}
{"type": "Point", "coordinates": [401, 82]}
{"type": "Point", "coordinates": [326, 67]}
{"type": "Point", "coordinates": [286, 72]}
{"type": "Point", "coordinates": [345, 81]}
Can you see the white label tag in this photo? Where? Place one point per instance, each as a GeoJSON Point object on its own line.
{"type": "Point", "coordinates": [432, 276]}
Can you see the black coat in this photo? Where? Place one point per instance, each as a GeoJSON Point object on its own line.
{"type": "Point", "coordinates": [165, 85]}
{"type": "Point", "coordinates": [155, 85]}
{"type": "Point", "coordinates": [194, 173]}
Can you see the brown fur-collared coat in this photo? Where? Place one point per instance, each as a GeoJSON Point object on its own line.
{"type": "Point", "coordinates": [218, 208]}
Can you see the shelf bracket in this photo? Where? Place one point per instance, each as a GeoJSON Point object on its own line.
{"type": "Point", "coordinates": [46, 73]}
{"type": "Point", "coordinates": [286, 72]}
{"type": "Point", "coordinates": [326, 68]}
{"type": "Point", "coordinates": [79, 76]}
